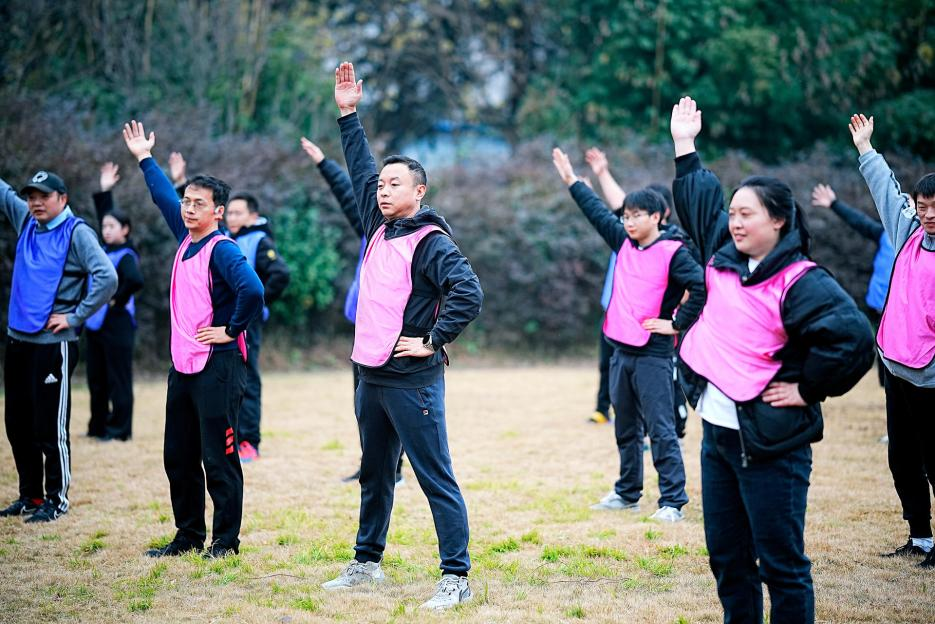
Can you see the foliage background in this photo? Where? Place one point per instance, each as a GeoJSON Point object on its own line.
{"type": "Point", "coordinates": [234, 84]}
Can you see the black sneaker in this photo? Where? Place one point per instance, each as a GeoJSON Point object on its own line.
{"type": "Point", "coordinates": [21, 507]}
{"type": "Point", "coordinates": [352, 478]}
{"type": "Point", "coordinates": [929, 561]}
{"type": "Point", "coordinates": [47, 512]}
{"type": "Point", "coordinates": [172, 549]}
{"type": "Point", "coordinates": [218, 550]}
{"type": "Point", "coordinates": [906, 550]}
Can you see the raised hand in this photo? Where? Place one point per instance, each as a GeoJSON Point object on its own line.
{"type": "Point", "coordinates": [177, 168]}
{"type": "Point", "coordinates": [135, 138]}
{"type": "Point", "coordinates": [685, 125]}
{"type": "Point", "coordinates": [348, 91]}
{"type": "Point", "coordinates": [563, 165]}
{"type": "Point", "coordinates": [861, 130]}
{"type": "Point", "coordinates": [598, 161]}
{"type": "Point", "coordinates": [109, 176]}
{"type": "Point", "coordinates": [314, 152]}
{"type": "Point", "coordinates": [823, 196]}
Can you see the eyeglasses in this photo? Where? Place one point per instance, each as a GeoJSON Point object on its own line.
{"type": "Point", "coordinates": [198, 203]}
{"type": "Point", "coordinates": [633, 217]}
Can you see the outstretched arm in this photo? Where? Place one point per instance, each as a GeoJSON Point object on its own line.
{"type": "Point", "coordinates": [338, 181]}
{"type": "Point", "coordinates": [160, 188]}
{"type": "Point", "coordinates": [896, 211]}
{"type": "Point", "coordinates": [823, 196]}
{"type": "Point", "coordinates": [13, 206]}
{"type": "Point", "coordinates": [699, 199]}
{"type": "Point", "coordinates": [360, 163]}
{"type": "Point", "coordinates": [603, 220]}
{"type": "Point", "coordinates": [609, 187]}
{"type": "Point", "coordinates": [104, 200]}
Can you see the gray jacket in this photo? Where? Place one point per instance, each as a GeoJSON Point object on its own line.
{"type": "Point", "coordinates": [900, 221]}
{"type": "Point", "coordinates": [85, 256]}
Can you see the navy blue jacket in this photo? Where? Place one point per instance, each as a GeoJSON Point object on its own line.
{"type": "Point", "coordinates": [830, 344]}
{"type": "Point", "coordinates": [441, 275]}
{"type": "Point", "coordinates": [237, 292]}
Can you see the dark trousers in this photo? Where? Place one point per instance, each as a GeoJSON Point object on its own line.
{"type": "Point", "coordinates": [910, 424]}
{"type": "Point", "coordinates": [37, 381]}
{"type": "Point", "coordinates": [680, 411]}
{"type": "Point", "coordinates": [392, 419]}
{"type": "Point", "coordinates": [399, 466]}
{"type": "Point", "coordinates": [603, 365]}
{"type": "Point", "coordinates": [250, 411]}
{"type": "Point", "coordinates": [110, 379]}
{"type": "Point", "coordinates": [201, 418]}
{"type": "Point", "coordinates": [756, 512]}
{"type": "Point", "coordinates": [641, 390]}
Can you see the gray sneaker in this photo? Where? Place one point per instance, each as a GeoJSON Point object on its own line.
{"type": "Point", "coordinates": [668, 514]}
{"type": "Point", "coordinates": [357, 573]}
{"type": "Point", "coordinates": [450, 591]}
{"type": "Point", "coordinates": [613, 502]}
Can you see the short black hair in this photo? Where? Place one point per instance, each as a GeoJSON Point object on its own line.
{"type": "Point", "coordinates": [120, 216]}
{"type": "Point", "coordinates": [418, 171]}
{"type": "Point", "coordinates": [925, 187]}
{"type": "Point", "coordinates": [252, 204]}
{"type": "Point", "coordinates": [666, 193]}
{"type": "Point", "coordinates": [645, 199]}
{"type": "Point", "coordinates": [220, 190]}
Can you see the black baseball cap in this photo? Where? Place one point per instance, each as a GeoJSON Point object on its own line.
{"type": "Point", "coordinates": [46, 182]}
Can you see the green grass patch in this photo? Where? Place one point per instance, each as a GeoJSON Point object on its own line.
{"type": "Point", "coordinates": [603, 534]}
{"type": "Point", "coordinates": [332, 445]}
{"type": "Point", "coordinates": [287, 539]}
{"type": "Point", "coordinates": [701, 551]}
{"type": "Point", "coordinates": [307, 604]}
{"type": "Point", "coordinates": [554, 553]}
{"type": "Point", "coordinates": [492, 486]}
{"type": "Point", "coordinates": [161, 541]}
{"type": "Point", "coordinates": [504, 546]}
{"type": "Point", "coordinates": [674, 551]}
{"type": "Point", "coordinates": [587, 568]}
{"type": "Point", "coordinates": [532, 537]}
{"type": "Point", "coordinates": [49, 537]}
{"type": "Point", "coordinates": [91, 546]}
{"type": "Point", "coordinates": [652, 534]}
{"type": "Point", "coordinates": [594, 552]}
{"type": "Point", "coordinates": [654, 566]}
{"type": "Point", "coordinates": [326, 552]}
{"type": "Point", "coordinates": [70, 594]}
{"type": "Point", "coordinates": [577, 612]}
{"type": "Point", "coordinates": [139, 593]}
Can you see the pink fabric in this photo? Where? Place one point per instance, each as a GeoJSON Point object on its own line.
{"type": "Point", "coordinates": [190, 307]}
{"type": "Point", "coordinates": [734, 342]}
{"type": "Point", "coordinates": [907, 329]}
{"type": "Point", "coordinates": [640, 280]}
{"type": "Point", "coordinates": [385, 288]}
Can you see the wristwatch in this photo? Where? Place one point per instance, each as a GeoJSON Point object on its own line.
{"type": "Point", "coordinates": [230, 334]}
{"type": "Point", "coordinates": [427, 342]}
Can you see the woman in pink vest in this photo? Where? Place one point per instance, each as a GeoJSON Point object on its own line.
{"type": "Point", "coordinates": [776, 337]}
{"type": "Point", "coordinates": [906, 339]}
{"type": "Point", "coordinates": [213, 297]}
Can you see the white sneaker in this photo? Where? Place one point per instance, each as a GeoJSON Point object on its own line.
{"type": "Point", "coordinates": [668, 514]}
{"type": "Point", "coordinates": [450, 591]}
{"type": "Point", "coordinates": [615, 502]}
{"type": "Point", "coordinates": [401, 482]}
{"type": "Point", "coordinates": [357, 573]}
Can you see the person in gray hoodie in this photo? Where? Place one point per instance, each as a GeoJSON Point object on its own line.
{"type": "Point", "coordinates": [906, 338]}
{"type": "Point", "coordinates": [50, 298]}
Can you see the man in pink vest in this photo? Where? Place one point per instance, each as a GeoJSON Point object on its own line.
{"type": "Point", "coordinates": [411, 265]}
{"type": "Point", "coordinates": [213, 297]}
{"type": "Point", "coordinates": [653, 270]}
{"type": "Point", "coordinates": [906, 339]}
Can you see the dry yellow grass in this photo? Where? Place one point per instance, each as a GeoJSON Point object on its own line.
{"type": "Point", "coordinates": [529, 467]}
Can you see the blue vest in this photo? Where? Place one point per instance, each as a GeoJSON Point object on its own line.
{"type": "Point", "coordinates": [96, 320]}
{"type": "Point", "coordinates": [37, 273]}
{"type": "Point", "coordinates": [248, 244]}
{"type": "Point", "coordinates": [608, 282]}
{"type": "Point", "coordinates": [350, 301]}
{"type": "Point", "coordinates": [880, 279]}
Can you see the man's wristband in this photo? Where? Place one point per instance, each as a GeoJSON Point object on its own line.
{"type": "Point", "coordinates": [230, 332]}
{"type": "Point", "coordinates": [427, 342]}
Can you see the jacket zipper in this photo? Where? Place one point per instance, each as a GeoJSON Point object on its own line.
{"type": "Point", "coordinates": [743, 450]}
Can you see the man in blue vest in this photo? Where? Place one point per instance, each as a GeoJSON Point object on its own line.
{"type": "Point", "coordinates": [252, 234]}
{"type": "Point", "coordinates": [50, 299]}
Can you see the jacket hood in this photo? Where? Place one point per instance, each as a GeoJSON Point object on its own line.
{"type": "Point", "coordinates": [426, 216]}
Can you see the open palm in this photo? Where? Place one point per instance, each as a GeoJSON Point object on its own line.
{"type": "Point", "coordinates": [135, 137]}
{"type": "Point", "coordinates": [347, 89]}
{"type": "Point", "coordinates": [686, 119]}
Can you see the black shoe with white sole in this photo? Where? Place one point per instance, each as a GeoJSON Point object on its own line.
{"type": "Point", "coordinates": [21, 507]}
{"type": "Point", "coordinates": [47, 512]}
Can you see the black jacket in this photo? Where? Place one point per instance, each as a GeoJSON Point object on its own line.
{"type": "Point", "coordinates": [442, 278]}
{"type": "Point", "coordinates": [684, 271]}
{"type": "Point", "coordinates": [269, 266]}
{"type": "Point", "coordinates": [830, 344]}
{"type": "Point", "coordinates": [343, 191]}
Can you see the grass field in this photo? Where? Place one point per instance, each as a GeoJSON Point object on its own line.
{"type": "Point", "coordinates": [529, 467]}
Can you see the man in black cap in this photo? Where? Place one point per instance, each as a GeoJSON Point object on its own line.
{"type": "Point", "coordinates": [50, 298]}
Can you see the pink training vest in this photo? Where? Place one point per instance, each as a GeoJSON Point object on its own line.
{"type": "Point", "coordinates": [735, 340]}
{"type": "Point", "coordinates": [640, 280]}
{"type": "Point", "coordinates": [190, 307]}
{"type": "Point", "coordinates": [907, 329]}
{"type": "Point", "coordinates": [385, 288]}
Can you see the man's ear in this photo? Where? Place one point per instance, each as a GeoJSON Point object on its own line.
{"type": "Point", "coordinates": [219, 212]}
{"type": "Point", "coordinates": [420, 191]}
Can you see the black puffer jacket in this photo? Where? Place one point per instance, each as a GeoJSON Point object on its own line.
{"type": "Point", "coordinates": [830, 344]}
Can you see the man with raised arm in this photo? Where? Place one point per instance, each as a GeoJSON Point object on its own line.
{"type": "Point", "coordinates": [417, 294]}
{"type": "Point", "coordinates": [56, 251]}
{"type": "Point", "coordinates": [213, 297]}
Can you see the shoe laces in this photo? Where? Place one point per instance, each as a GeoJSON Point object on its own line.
{"type": "Point", "coordinates": [448, 585]}
{"type": "Point", "coordinates": [356, 568]}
